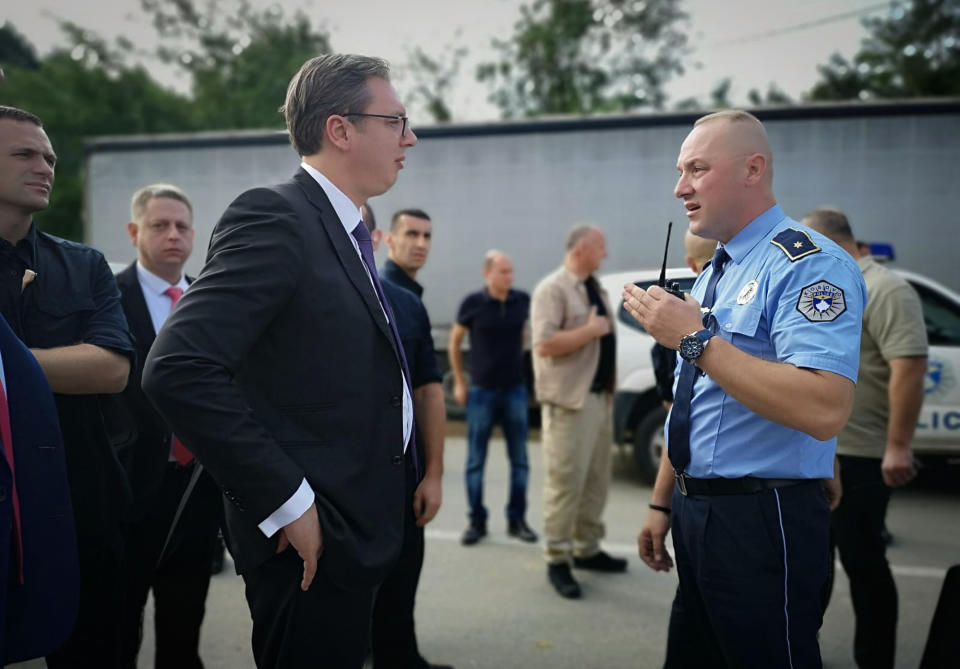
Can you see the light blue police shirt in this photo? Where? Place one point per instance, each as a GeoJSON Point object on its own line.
{"type": "Point", "coordinates": [787, 294]}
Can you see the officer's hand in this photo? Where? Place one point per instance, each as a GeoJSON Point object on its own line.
{"type": "Point", "coordinates": [597, 325]}
{"type": "Point", "coordinates": [897, 467]}
{"type": "Point", "coordinates": [667, 318]}
{"type": "Point", "coordinates": [305, 535]}
{"type": "Point", "coordinates": [651, 544]}
{"type": "Point", "coordinates": [460, 393]}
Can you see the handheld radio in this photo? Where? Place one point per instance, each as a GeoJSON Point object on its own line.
{"type": "Point", "coordinates": [673, 287]}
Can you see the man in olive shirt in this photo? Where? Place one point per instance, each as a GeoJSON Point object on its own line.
{"type": "Point", "coordinates": [574, 354]}
{"type": "Point", "coordinates": [874, 448]}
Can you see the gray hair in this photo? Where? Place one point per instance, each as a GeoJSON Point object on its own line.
{"type": "Point", "coordinates": [577, 233]}
{"type": "Point", "coordinates": [325, 86]}
{"type": "Point", "coordinates": [490, 257]}
{"type": "Point", "coordinates": [140, 200]}
{"type": "Point", "coordinates": [830, 222]}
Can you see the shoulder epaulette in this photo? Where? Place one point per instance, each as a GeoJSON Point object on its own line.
{"type": "Point", "coordinates": [794, 243]}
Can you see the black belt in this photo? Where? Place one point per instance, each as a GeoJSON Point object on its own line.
{"type": "Point", "coordinates": [741, 486]}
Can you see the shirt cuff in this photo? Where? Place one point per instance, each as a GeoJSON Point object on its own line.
{"type": "Point", "coordinates": [292, 509]}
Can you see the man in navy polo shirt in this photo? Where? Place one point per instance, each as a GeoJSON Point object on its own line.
{"type": "Point", "coordinates": [495, 317]}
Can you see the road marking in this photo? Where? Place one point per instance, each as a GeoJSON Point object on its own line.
{"type": "Point", "coordinates": [631, 550]}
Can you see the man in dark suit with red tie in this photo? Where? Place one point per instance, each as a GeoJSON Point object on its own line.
{"type": "Point", "coordinates": [158, 465]}
{"type": "Point", "coordinates": [281, 370]}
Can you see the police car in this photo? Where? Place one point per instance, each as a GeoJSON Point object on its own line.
{"type": "Point", "coordinates": [639, 415]}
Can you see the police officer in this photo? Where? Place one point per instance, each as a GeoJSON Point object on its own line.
{"type": "Point", "coordinates": [770, 341]}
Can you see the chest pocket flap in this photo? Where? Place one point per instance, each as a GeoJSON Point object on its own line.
{"type": "Point", "coordinates": [740, 319]}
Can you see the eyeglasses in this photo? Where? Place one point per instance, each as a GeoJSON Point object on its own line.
{"type": "Point", "coordinates": [402, 119]}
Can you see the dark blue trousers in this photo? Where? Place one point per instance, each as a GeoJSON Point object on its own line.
{"type": "Point", "coordinates": [751, 568]}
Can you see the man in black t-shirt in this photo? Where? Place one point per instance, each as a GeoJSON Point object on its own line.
{"type": "Point", "coordinates": [495, 317]}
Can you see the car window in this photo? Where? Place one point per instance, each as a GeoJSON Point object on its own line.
{"type": "Point", "coordinates": [626, 319]}
{"type": "Point", "coordinates": [941, 315]}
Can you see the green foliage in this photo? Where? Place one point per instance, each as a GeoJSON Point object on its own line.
{"type": "Point", "coordinates": [913, 52]}
{"type": "Point", "coordinates": [583, 56]}
{"type": "Point", "coordinates": [433, 79]}
{"type": "Point", "coordinates": [238, 60]}
{"type": "Point", "coordinates": [77, 98]}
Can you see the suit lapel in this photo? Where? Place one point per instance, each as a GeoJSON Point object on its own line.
{"type": "Point", "coordinates": [346, 253]}
{"type": "Point", "coordinates": [135, 306]}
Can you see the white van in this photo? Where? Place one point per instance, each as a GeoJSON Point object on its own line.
{"type": "Point", "coordinates": [638, 414]}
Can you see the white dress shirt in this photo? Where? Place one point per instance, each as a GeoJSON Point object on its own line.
{"type": "Point", "coordinates": [349, 215]}
{"type": "Point", "coordinates": [159, 305]}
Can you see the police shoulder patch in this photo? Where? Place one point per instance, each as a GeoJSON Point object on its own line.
{"type": "Point", "coordinates": [821, 302]}
{"type": "Point", "coordinates": [794, 243]}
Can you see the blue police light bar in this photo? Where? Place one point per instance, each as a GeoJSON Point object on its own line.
{"type": "Point", "coordinates": [882, 251]}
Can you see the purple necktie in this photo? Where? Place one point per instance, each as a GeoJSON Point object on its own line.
{"type": "Point", "coordinates": [362, 235]}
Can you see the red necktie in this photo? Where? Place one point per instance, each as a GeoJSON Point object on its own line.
{"type": "Point", "coordinates": [6, 435]}
{"type": "Point", "coordinates": [180, 452]}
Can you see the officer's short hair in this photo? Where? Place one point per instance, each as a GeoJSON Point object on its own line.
{"type": "Point", "coordinates": [15, 114]}
{"type": "Point", "coordinates": [732, 115]}
{"type": "Point", "coordinates": [325, 86]}
{"type": "Point", "coordinates": [140, 200]}
{"type": "Point", "coordinates": [830, 222]}
{"type": "Point", "coordinates": [415, 213]}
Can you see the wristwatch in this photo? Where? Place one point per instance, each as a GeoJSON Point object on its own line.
{"type": "Point", "coordinates": [693, 344]}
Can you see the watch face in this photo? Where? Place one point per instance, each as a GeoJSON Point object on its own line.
{"type": "Point", "coordinates": [691, 347]}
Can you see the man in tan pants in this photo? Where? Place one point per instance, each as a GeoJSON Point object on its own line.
{"type": "Point", "coordinates": [574, 365]}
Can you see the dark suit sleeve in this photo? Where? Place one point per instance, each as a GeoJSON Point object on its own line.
{"type": "Point", "coordinates": [253, 268]}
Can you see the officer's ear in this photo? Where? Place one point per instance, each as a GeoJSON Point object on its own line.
{"type": "Point", "coordinates": [756, 168]}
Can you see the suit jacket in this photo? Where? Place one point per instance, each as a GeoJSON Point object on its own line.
{"type": "Point", "coordinates": [145, 450]}
{"type": "Point", "coordinates": [37, 616]}
{"type": "Point", "coordinates": [278, 364]}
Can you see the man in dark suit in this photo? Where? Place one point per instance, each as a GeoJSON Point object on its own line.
{"type": "Point", "coordinates": [281, 370]}
{"type": "Point", "coordinates": [158, 466]}
{"type": "Point", "coordinates": [62, 302]}
{"type": "Point", "coordinates": [39, 578]}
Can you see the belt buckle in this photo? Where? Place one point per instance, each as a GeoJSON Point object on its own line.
{"type": "Point", "coordinates": [681, 483]}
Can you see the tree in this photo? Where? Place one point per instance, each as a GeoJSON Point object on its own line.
{"type": "Point", "coordinates": [433, 78]}
{"type": "Point", "coordinates": [76, 97]}
{"type": "Point", "coordinates": [913, 52]}
{"type": "Point", "coordinates": [233, 54]}
{"type": "Point", "coordinates": [583, 56]}
{"type": "Point", "coordinates": [239, 59]}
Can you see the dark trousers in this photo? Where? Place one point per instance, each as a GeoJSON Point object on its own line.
{"type": "Point", "coordinates": [328, 626]}
{"type": "Point", "coordinates": [95, 641]}
{"type": "Point", "coordinates": [750, 568]}
{"type": "Point", "coordinates": [393, 635]}
{"type": "Point", "coordinates": [181, 580]}
{"type": "Point", "coordinates": [857, 525]}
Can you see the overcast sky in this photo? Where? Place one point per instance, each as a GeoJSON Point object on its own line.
{"type": "Point", "coordinates": [755, 42]}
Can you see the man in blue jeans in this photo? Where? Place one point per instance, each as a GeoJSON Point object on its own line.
{"type": "Point", "coordinates": [495, 317]}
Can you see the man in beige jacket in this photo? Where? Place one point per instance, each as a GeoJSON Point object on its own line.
{"type": "Point", "coordinates": [574, 366]}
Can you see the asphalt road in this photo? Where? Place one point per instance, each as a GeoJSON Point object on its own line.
{"type": "Point", "coordinates": [490, 605]}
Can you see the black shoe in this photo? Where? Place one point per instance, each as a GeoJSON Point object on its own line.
{"type": "Point", "coordinates": [601, 562]}
{"type": "Point", "coordinates": [473, 534]}
{"type": "Point", "coordinates": [522, 531]}
{"type": "Point", "coordinates": [562, 580]}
